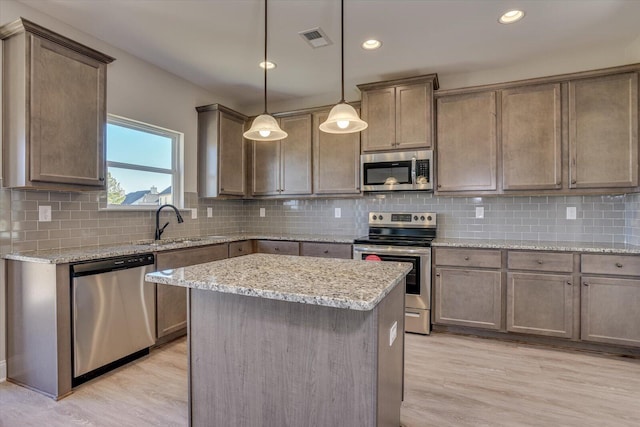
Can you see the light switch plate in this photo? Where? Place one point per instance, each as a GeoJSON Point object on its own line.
{"type": "Point", "coordinates": [263, 212]}
{"type": "Point", "coordinates": [44, 213]}
{"type": "Point", "coordinates": [209, 212]}
{"type": "Point", "coordinates": [194, 213]}
{"type": "Point", "coordinates": [571, 212]}
{"type": "Point", "coordinates": [393, 333]}
{"type": "Point", "coordinates": [479, 212]}
{"type": "Point", "coordinates": [338, 212]}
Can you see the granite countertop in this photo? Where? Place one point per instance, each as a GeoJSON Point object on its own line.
{"type": "Point", "coordinates": [87, 253]}
{"type": "Point", "coordinates": [602, 248]}
{"type": "Point", "coordinates": [340, 283]}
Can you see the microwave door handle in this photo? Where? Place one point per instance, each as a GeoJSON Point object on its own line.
{"type": "Point", "coordinates": [413, 171]}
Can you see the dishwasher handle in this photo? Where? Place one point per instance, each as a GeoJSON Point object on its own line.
{"type": "Point", "coordinates": [111, 264]}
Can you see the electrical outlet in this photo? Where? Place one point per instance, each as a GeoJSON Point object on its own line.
{"type": "Point", "coordinates": [263, 212]}
{"type": "Point", "coordinates": [209, 212]}
{"type": "Point", "coordinates": [338, 212]}
{"type": "Point", "coordinates": [479, 212]}
{"type": "Point", "coordinates": [393, 333]}
{"type": "Point", "coordinates": [194, 213]}
{"type": "Point", "coordinates": [44, 213]}
{"type": "Point", "coordinates": [571, 212]}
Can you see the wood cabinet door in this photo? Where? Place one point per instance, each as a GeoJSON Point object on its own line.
{"type": "Point", "coordinates": [171, 301]}
{"type": "Point", "coordinates": [295, 156]}
{"type": "Point", "coordinates": [379, 111]}
{"type": "Point", "coordinates": [67, 115]}
{"type": "Point", "coordinates": [610, 311]}
{"type": "Point", "coordinates": [532, 138]}
{"type": "Point", "coordinates": [336, 160]}
{"type": "Point", "coordinates": [603, 132]}
{"type": "Point", "coordinates": [232, 153]}
{"type": "Point", "coordinates": [265, 179]}
{"type": "Point", "coordinates": [468, 298]}
{"type": "Point", "coordinates": [540, 304]}
{"type": "Point", "coordinates": [467, 142]}
{"type": "Point", "coordinates": [414, 116]}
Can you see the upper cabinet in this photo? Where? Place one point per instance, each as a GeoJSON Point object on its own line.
{"type": "Point", "coordinates": [603, 131]}
{"type": "Point", "coordinates": [54, 114]}
{"type": "Point", "coordinates": [399, 113]}
{"type": "Point", "coordinates": [221, 152]}
{"type": "Point", "coordinates": [569, 134]}
{"type": "Point", "coordinates": [284, 167]}
{"type": "Point", "coordinates": [336, 160]}
{"type": "Point", "coordinates": [467, 142]}
{"type": "Point", "coordinates": [531, 138]}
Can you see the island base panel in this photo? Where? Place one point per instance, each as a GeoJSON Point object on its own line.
{"type": "Point", "coordinates": [260, 362]}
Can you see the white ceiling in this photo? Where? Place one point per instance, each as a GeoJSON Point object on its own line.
{"type": "Point", "coordinates": [217, 44]}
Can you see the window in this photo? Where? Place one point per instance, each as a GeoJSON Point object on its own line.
{"type": "Point", "coordinates": [142, 165]}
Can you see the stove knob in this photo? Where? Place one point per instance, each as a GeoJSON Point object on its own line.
{"type": "Point", "coordinates": [415, 217]}
{"type": "Point", "coordinates": [422, 218]}
{"type": "Point", "coordinates": [375, 217]}
{"type": "Point", "coordinates": [429, 218]}
{"type": "Point", "coordinates": [381, 218]}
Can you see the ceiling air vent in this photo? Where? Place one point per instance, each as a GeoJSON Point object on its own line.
{"type": "Point", "coordinates": [315, 37]}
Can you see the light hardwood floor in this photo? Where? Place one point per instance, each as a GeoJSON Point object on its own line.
{"type": "Point", "coordinates": [450, 381]}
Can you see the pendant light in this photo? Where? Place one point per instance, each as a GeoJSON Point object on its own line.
{"type": "Point", "coordinates": [343, 118]}
{"type": "Point", "coordinates": [265, 127]}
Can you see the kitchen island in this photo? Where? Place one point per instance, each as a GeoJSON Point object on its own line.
{"type": "Point", "coordinates": [286, 340]}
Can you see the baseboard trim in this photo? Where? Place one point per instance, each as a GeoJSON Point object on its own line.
{"type": "Point", "coordinates": [3, 370]}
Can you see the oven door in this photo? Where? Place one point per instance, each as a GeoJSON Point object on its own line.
{"type": "Point", "coordinates": [418, 290]}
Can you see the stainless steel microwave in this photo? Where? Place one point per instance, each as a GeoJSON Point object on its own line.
{"type": "Point", "coordinates": [397, 171]}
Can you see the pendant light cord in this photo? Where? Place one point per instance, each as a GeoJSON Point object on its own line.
{"type": "Point", "coordinates": [342, 46]}
{"type": "Point", "coordinates": [265, 56]}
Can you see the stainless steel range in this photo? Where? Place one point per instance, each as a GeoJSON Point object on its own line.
{"type": "Point", "coordinates": [404, 237]}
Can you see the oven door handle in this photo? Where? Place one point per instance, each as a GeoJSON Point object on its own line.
{"type": "Point", "coordinates": [404, 250]}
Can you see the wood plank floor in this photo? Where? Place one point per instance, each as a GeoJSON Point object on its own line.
{"type": "Point", "coordinates": [450, 381]}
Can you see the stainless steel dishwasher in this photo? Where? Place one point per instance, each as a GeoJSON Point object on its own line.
{"type": "Point", "coordinates": [113, 313]}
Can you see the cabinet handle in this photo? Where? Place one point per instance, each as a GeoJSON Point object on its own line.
{"type": "Point", "coordinates": [540, 262]}
{"type": "Point", "coordinates": [466, 258]}
{"type": "Point", "coordinates": [573, 181]}
{"type": "Point", "coordinates": [437, 274]}
{"type": "Point", "coordinates": [439, 185]}
{"type": "Point", "coordinates": [585, 284]}
{"type": "Point", "coordinates": [221, 189]}
{"type": "Point", "coordinates": [276, 249]}
{"type": "Point", "coordinates": [101, 178]}
{"type": "Point", "coordinates": [326, 251]}
{"type": "Point", "coordinates": [618, 265]}
{"type": "Point", "coordinates": [240, 249]}
{"type": "Point", "coordinates": [569, 283]}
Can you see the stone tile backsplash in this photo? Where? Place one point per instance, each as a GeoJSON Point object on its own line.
{"type": "Point", "coordinates": [79, 219]}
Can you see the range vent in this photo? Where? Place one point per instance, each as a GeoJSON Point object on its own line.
{"type": "Point", "coordinates": [315, 37]}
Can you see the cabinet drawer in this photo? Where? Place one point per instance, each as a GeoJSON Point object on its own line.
{"type": "Point", "coordinates": [469, 258]}
{"type": "Point", "coordinates": [540, 261]}
{"type": "Point", "coordinates": [326, 250]}
{"type": "Point", "coordinates": [277, 247]}
{"type": "Point", "coordinates": [183, 257]}
{"type": "Point", "coordinates": [240, 248]}
{"type": "Point", "coordinates": [624, 265]}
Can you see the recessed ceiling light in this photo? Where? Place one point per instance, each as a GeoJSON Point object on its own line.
{"type": "Point", "coordinates": [371, 44]}
{"type": "Point", "coordinates": [511, 16]}
{"type": "Point", "coordinates": [270, 65]}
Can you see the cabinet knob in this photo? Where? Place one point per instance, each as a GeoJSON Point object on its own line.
{"type": "Point", "coordinates": [569, 283]}
{"type": "Point", "coordinates": [326, 251]}
{"type": "Point", "coordinates": [240, 249]}
{"type": "Point", "coordinates": [466, 258]}
{"type": "Point", "coordinates": [585, 284]}
{"type": "Point", "coordinates": [437, 274]}
{"type": "Point", "coordinates": [439, 186]}
{"type": "Point", "coordinates": [618, 265]}
{"type": "Point", "coordinates": [276, 249]}
{"type": "Point", "coordinates": [221, 189]}
{"type": "Point", "coordinates": [101, 178]}
{"type": "Point", "coordinates": [573, 181]}
{"type": "Point", "coordinates": [540, 262]}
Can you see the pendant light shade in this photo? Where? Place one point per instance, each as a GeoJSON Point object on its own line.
{"type": "Point", "coordinates": [343, 118]}
{"type": "Point", "coordinates": [265, 126]}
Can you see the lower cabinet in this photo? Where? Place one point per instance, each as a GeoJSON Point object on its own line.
{"type": "Point", "coordinates": [610, 310]}
{"type": "Point", "coordinates": [171, 301]}
{"type": "Point", "coordinates": [540, 304]}
{"type": "Point", "coordinates": [277, 247]}
{"type": "Point", "coordinates": [468, 298]}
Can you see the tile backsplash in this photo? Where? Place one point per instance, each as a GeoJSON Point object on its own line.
{"type": "Point", "coordinates": [79, 219]}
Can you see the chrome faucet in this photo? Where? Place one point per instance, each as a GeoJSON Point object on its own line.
{"type": "Point", "coordinates": [159, 230]}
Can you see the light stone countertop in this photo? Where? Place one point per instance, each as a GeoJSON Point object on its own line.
{"type": "Point", "coordinates": [601, 248]}
{"type": "Point", "coordinates": [339, 283]}
{"type": "Point", "coordinates": [88, 253]}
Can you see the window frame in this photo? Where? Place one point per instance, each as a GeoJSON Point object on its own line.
{"type": "Point", "coordinates": [176, 170]}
